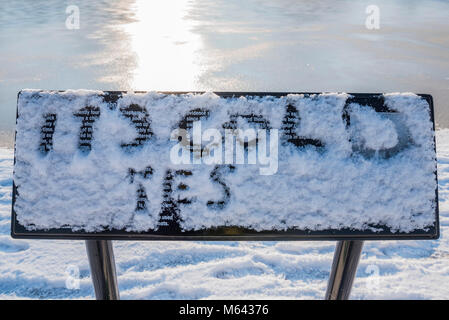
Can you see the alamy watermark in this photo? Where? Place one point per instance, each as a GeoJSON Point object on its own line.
{"type": "Point", "coordinates": [72, 22]}
{"type": "Point", "coordinates": [72, 282]}
{"type": "Point", "coordinates": [372, 21]}
{"type": "Point", "coordinates": [248, 143]}
{"type": "Point", "coordinates": [373, 280]}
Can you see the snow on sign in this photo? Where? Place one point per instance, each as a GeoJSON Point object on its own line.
{"type": "Point", "coordinates": [209, 166]}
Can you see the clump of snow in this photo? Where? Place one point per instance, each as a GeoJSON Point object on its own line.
{"type": "Point", "coordinates": [330, 187]}
{"type": "Point", "coordinates": [375, 132]}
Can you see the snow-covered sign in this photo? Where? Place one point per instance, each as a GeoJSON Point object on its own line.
{"type": "Point", "coordinates": [117, 165]}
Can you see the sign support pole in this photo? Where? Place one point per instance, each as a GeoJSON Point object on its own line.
{"type": "Point", "coordinates": [344, 268]}
{"type": "Point", "coordinates": [102, 269]}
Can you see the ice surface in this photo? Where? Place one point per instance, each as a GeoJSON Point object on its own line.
{"type": "Point", "coordinates": [379, 171]}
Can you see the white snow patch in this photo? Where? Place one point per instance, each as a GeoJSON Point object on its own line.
{"type": "Point", "coordinates": [375, 132]}
{"type": "Point", "coordinates": [338, 187]}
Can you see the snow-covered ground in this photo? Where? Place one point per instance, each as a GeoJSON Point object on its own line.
{"type": "Point", "coordinates": [206, 270]}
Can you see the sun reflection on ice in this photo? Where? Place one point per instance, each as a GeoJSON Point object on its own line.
{"type": "Point", "coordinates": [166, 48]}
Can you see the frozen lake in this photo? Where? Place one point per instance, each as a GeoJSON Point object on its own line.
{"type": "Point", "coordinates": [225, 46]}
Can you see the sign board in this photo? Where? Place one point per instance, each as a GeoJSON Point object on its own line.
{"type": "Point", "coordinates": [224, 166]}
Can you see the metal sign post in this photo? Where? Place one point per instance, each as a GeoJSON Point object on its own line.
{"type": "Point", "coordinates": [102, 269]}
{"type": "Point", "coordinates": [344, 268]}
{"type": "Point", "coordinates": [104, 277]}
